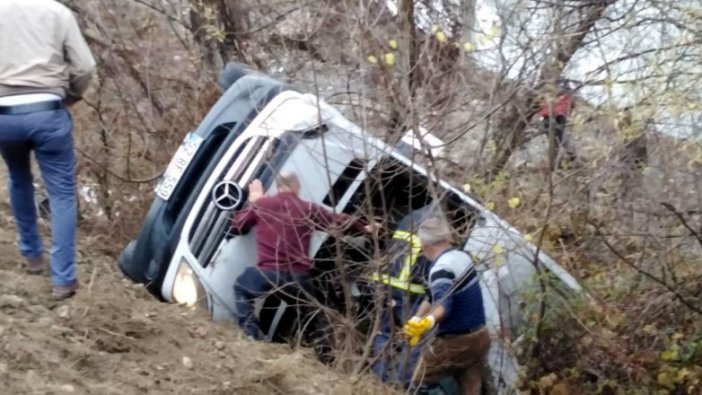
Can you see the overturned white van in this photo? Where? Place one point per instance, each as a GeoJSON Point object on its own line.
{"type": "Point", "coordinates": [261, 126]}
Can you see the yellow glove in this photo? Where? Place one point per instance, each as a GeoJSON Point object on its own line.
{"type": "Point", "coordinates": [416, 327]}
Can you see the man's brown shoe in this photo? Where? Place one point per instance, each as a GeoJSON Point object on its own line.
{"type": "Point", "coordinates": [35, 264]}
{"type": "Point", "coordinates": [59, 292]}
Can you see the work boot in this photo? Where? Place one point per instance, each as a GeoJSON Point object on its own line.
{"type": "Point", "coordinates": [254, 333]}
{"type": "Point", "coordinates": [35, 265]}
{"type": "Point", "coordinates": [61, 292]}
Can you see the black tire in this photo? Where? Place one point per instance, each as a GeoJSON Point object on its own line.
{"type": "Point", "coordinates": [125, 262]}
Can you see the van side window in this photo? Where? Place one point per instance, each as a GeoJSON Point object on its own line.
{"type": "Point", "coordinates": [280, 151]}
{"type": "Point", "coordinates": [342, 184]}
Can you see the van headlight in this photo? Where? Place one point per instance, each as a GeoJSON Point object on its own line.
{"type": "Point", "coordinates": [187, 289]}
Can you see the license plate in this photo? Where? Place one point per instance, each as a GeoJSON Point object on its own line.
{"type": "Point", "coordinates": [182, 158]}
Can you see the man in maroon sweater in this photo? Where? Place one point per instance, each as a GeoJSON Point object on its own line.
{"type": "Point", "coordinates": [284, 227]}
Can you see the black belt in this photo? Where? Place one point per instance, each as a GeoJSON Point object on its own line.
{"type": "Point", "coordinates": [32, 107]}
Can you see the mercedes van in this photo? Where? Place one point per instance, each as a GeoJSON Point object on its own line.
{"type": "Point", "coordinates": [260, 126]}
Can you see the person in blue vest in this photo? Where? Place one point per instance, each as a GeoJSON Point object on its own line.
{"type": "Point", "coordinates": [405, 287]}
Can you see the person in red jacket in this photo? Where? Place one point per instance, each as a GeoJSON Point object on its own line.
{"type": "Point", "coordinates": [284, 227]}
{"type": "Point", "coordinates": [556, 115]}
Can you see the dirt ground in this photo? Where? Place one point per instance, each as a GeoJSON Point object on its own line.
{"type": "Point", "coordinates": [114, 338]}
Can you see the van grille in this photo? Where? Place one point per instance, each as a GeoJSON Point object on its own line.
{"type": "Point", "coordinates": [211, 224]}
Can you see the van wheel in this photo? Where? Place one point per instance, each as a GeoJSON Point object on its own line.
{"type": "Point", "coordinates": [125, 261]}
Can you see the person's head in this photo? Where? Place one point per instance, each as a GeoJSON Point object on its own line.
{"type": "Point", "coordinates": [435, 235]}
{"type": "Point", "coordinates": [287, 181]}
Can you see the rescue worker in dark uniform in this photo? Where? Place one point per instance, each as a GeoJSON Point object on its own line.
{"type": "Point", "coordinates": [405, 286]}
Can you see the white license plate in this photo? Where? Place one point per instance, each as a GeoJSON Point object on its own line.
{"type": "Point", "coordinates": [181, 160]}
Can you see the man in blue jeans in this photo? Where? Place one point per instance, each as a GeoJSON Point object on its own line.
{"type": "Point", "coordinates": [45, 66]}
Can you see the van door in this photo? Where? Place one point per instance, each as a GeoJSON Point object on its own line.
{"type": "Point", "coordinates": [222, 257]}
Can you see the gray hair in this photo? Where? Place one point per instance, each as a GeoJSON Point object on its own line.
{"type": "Point", "coordinates": [434, 230]}
{"type": "Point", "coordinates": [287, 179]}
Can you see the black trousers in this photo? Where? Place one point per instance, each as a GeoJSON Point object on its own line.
{"type": "Point", "coordinates": [559, 125]}
{"type": "Point", "coordinates": [255, 283]}
{"type": "Point", "coordinates": [295, 288]}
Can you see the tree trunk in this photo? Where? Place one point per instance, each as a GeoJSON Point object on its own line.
{"type": "Point", "coordinates": [410, 32]}
{"type": "Point", "coordinates": [467, 17]}
{"type": "Point", "coordinates": [221, 39]}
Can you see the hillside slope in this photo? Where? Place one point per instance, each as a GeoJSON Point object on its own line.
{"type": "Point", "coordinates": [114, 338]}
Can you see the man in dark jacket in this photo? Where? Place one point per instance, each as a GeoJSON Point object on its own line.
{"type": "Point", "coordinates": [284, 227]}
{"type": "Point", "coordinates": [405, 285]}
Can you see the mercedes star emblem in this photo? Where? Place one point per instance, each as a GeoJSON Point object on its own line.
{"type": "Point", "coordinates": [227, 195]}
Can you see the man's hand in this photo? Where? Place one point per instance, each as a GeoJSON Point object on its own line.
{"type": "Point", "coordinates": [416, 327]}
{"type": "Point", "coordinates": [373, 227]}
{"type": "Point", "coordinates": [256, 191]}
{"type": "Point", "coordinates": [70, 100]}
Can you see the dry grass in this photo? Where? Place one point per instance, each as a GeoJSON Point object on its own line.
{"type": "Point", "coordinates": [114, 338]}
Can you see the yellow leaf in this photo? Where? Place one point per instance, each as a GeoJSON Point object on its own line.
{"type": "Point", "coordinates": [682, 375]}
{"type": "Point", "coordinates": [514, 202]}
{"type": "Point", "coordinates": [498, 260]}
{"type": "Point", "coordinates": [494, 30]}
{"type": "Point", "coordinates": [491, 146]}
{"type": "Point", "coordinates": [613, 320]}
{"type": "Point", "coordinates": [373, 59]}
{"type": "Point", "coordinates": [547, 381]}
{"type": "Point", "coordinates": [468, 47]}
{"type": "Point", "coordinates": [389, 59]}
{"type": "Point", "coordinates": [392, 44]}
{"type": "Point", "coordinates": [440, 37]}
{"type": "Point", "coordinates": [609, 84]}
{"type": "Point", "coordinates": [665, 380]}
{"type": "Point", "coordinates": [528, 238]}
{"type": "Point", "coordinates": [434, 29]}
{"type": "Point", "coordinates": [670, 355]}
{"type": "Point", "coordinates": [678, 336]}
{"type": "Point", "coordinates": [497, 249]}
{"type": "Point", "coordinates": [490, 206]}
